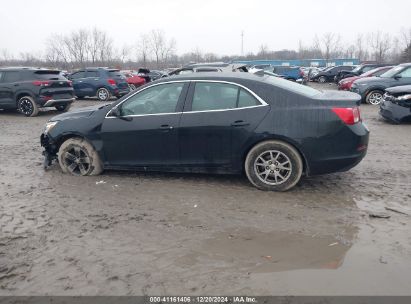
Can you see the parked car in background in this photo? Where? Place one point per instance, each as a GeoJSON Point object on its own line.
{"type": "Point", "coordinates": [346, 83]}
{"type": "Point", "coordinates": [309, 72]}
{"type": "Point", "coordinates": [288, 72]}
{"type": "Point", "coordinates": [210, 67]}
{"type": "Point", "coordinates": [359, 70]}
{"type": "Point", "coordinates": [155, 74]}
{"type": "Point", "coordinates": [100, 82]}
{"type": "Point", "coordinates": [28, 89]}
{"type": "Point", "coordinates": [329, 73]}
{"type": "Point", "coordinates": [396, 104]}
{"type": "Point", "coordinates": [372, 89]}
{"type": "Point", "coordinates": [215, 122]}
{"type": "Point", "coordinates": [133, 80]}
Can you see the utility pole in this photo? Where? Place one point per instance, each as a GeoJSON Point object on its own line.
{"type": "Point", "coordinates": [242, 43]}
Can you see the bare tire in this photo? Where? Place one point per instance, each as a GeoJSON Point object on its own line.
{"type": "Point", "coordinates": [27, 106]}
{"type": "Point", "coordinates": [78, 157]}
{"type": "Point", "coordinates": [63, 108]}
{"type": "Point", "coordinates": [273, 165]}
{"type": "Point", "coordinates": [322, 79]}
{"type": "Point", "coordinates": [374, 97]}
{"type": "Point", "coordinates": [103, 94]}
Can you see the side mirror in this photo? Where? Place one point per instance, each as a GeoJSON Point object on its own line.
{"type": "Point", "coordinates": [396, 77]}
{"type": "Point", "coordinates": [115, 112]}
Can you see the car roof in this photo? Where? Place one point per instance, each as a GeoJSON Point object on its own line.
{"type": "Point", "coordinates": [221, 76]}
{"type": "Point", "coordinates": [25, 69]}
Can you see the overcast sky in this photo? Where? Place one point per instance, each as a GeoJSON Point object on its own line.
{"type": "Point", "coordinates": [211, 25]}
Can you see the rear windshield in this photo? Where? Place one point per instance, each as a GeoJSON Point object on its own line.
{"type": "Point", "coordinates": [292, 86]}
{"type": "Point", "coordinates": [116, 73]}
{"type": "Point", "coordinates": [47, 75]}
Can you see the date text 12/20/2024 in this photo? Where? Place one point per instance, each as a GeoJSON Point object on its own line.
{"type": "Point", "coordinates": [203, 299]}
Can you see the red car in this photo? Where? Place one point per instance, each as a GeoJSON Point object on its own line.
{"type": "Point", "coordinates": [345, 84]}
{"type": "Point", "coordinates": [133, 80]}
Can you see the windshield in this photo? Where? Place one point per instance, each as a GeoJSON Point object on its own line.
{"type": "Point", "coordinates": [292, 86]}
{"type": "Point", "coordinates": [357, 69]}
{"type": "Point", "coordinates": [392, 72]}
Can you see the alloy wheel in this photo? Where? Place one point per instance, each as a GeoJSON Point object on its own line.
{"type": "Point", "coordinates": [77, 161]}
{"type": "Point", "coordinates": [375, 98]}
{"type": "Point", "coordinates": [26, 107]}
{"type": "Point", "coordinates": [273, 167]}
{"type": "Point", "coordinates": [102, 94]}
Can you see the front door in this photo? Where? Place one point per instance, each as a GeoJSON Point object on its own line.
{"type": "Point", "coordinates": [217, 123]}
{"type": "Point", "coordinates": [146, 133]}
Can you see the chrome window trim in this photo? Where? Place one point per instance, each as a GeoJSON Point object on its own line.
{"type": "Point", "coordinates": [260, 100]}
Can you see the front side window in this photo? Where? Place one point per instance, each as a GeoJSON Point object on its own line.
{"type": "Point", "coordinates": [405, 73]}
{"type": "Point", "coordinates": [220, 96]}
{"type": "Point", "coordinates": [11, 76]}
{"type": "Point", "coordinates": [154, 100]}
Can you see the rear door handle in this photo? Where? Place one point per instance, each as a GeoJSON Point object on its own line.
{"type": "Point", "coordinates": [239, 123]}
{"type": "Point", "coordinates": [166, 128]}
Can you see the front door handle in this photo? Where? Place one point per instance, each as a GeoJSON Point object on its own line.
{"type": "Point", "coordinates": [166, 128]}
{"type": "Point", "coordinates": [239, 123]}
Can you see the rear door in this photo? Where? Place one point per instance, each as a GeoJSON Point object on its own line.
{"type": "Point", "coordinates": [217, 121]}
{"type": "Point", "coordinates": [79, 83]}
{"type": "Point", "coordinates": [8, 85]}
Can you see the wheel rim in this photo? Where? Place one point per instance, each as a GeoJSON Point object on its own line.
{"type": "Point", "coordinates": [273, 167]}
{"type": "Point", "coordinates": [76, 161]}
{"type": "Point", "coordinates": [322, 79]}
{"type": "Point", "coordinates": [26, 107]}
{"type": "Point", "coordinates": [102, 94]}
{"type": "Point", "coordinates": [133, 87]}
{"type": "Point", "coordinates": [375, 98]}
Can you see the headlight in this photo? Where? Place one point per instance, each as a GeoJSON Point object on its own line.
{"type": "Point", "coordinates": [404, 97]}
{"type": "Point", "coordinates": [49, 125]}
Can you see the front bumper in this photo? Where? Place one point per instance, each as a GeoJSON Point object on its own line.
{"type": "Point", "coordinates": [393, 111]}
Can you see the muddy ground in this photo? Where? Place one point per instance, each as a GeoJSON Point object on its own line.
{"type": "Point", "coordinates": [178, 234]}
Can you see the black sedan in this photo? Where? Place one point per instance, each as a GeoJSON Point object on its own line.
{"type": "Point", "coordinates": [272, 129]}
{"type": "Point", "coordinates": [396, 104]}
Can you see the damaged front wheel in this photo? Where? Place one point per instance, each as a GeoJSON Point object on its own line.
{"type": "Point", "coordinates": [78, 157]}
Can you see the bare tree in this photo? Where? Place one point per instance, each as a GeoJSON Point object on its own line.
{"type": "Point", "coordinates": [380, 45]}
{"type": "Point", "coordinates": [263, 51]}
{"type": "Point", "coordinates": [331, 45]}
{"type": "Point", "coordinates": [160, 47]}
{"type": "Point", "coordinates": [143, 45]}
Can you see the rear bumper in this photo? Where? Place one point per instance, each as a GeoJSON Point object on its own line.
{"type": "Point", "coordinates": [347, 151]}
{"type": "Point", "coordinates": [57, 102]}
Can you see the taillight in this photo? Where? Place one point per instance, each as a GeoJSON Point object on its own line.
{"type": "Point", "coordinates": [111, 81]}
{"type": "Point", "coordinates": [41, 83]}
{"type": "Point", "coordinates": [349, 116]}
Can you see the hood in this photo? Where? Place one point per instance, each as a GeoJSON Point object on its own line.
{"type": "Point", "coordinates": [370, 79]}
{"type": "Point", "coordinates": [399, 89]}
{"type": "Point", "coordinates": [78, 113]}
{"type": "Point", "coordinates": [350, 79]}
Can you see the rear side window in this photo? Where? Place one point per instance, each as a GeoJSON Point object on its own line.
{"type": "Point", "coordinates": [115, 74]}
{"type": "Point", "coordinates": [220, 96]}
{"type": "Point", "coordinates": [11, 76]}
{"type": "Point", "coordinates": [92, 74]}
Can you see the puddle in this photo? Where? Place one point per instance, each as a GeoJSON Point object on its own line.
{"type": "Point", "coordinates": [259, 252]}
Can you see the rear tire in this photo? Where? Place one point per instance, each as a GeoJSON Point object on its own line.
{"type": "Point", "coordinates": [63, 108]}
{"type": "Point", "coordinates": [273, 166]}
{"type": "Point", "coordinates": [322, 79]}
{"type": "Point", "coordinates": [77, 156]}
{"type": "Point", "coordinates": [27, 106]}
{"type": "Point", "coordinates": [374, 97]}
{"type": "Point", "coordinates": [103, 94]}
